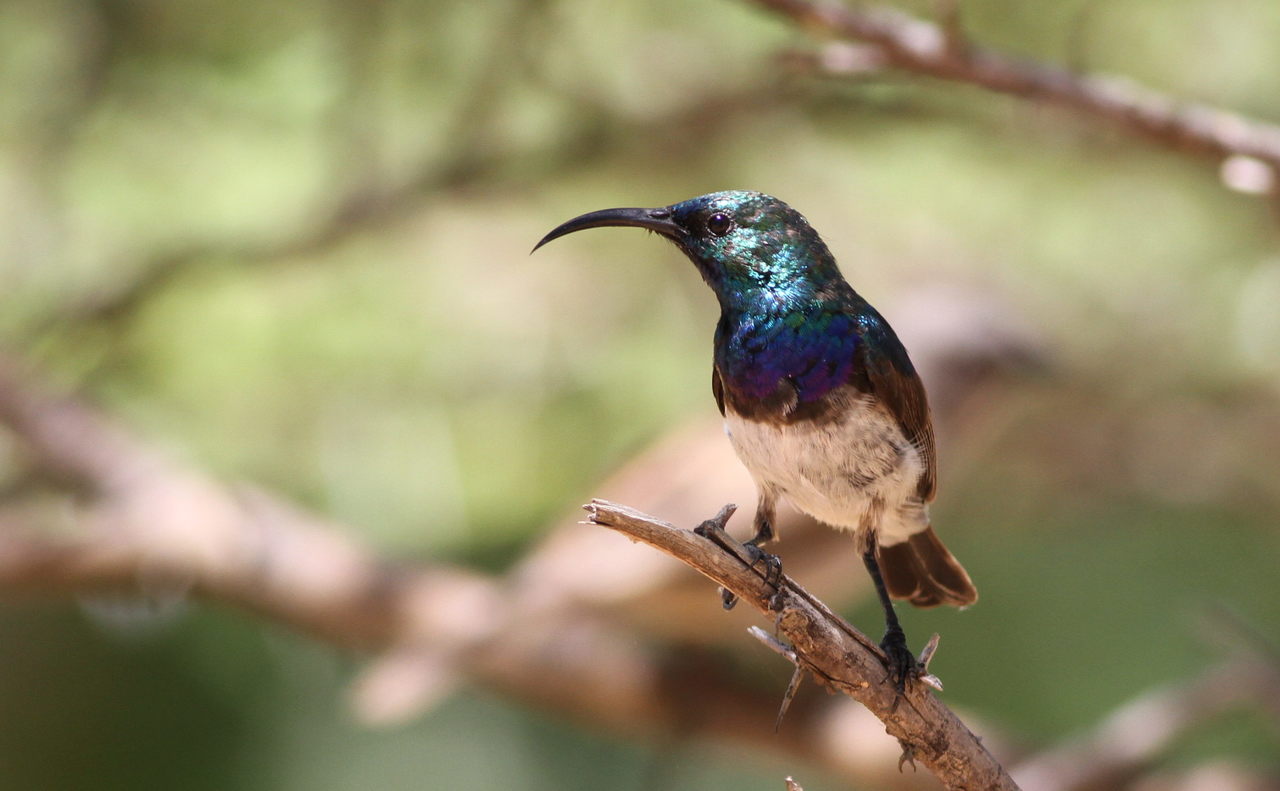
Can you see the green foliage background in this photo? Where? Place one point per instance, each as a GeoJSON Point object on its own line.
{"type": "Point", "coordinates": [396, 360]}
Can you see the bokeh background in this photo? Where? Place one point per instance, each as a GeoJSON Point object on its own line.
{"type": "Point", "coordinates": [288, 243]}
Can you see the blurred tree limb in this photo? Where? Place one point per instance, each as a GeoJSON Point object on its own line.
{"type": "Point", "coordinates": [896, 40]}
{"type": "Point", "coordinates": [1131, 738]}
{"type": "Point", "coordinates": [365, 204]}
{"type": "Point", "coordinates": [832, 651]}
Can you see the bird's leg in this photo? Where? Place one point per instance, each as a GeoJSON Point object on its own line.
{"type": "Point", "coordinates": [902, 663]}
{"type": "Point", "coordinates": [766, 515]}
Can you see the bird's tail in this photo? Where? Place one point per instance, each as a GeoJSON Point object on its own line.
{"type": "Point", "coordinates": [923, 572]}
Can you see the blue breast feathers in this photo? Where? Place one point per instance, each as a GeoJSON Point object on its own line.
{"type": "Point", "coordinates": [814, 350]}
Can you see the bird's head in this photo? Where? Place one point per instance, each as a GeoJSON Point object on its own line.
{"type": "Point", "coordinates": [745, 244]}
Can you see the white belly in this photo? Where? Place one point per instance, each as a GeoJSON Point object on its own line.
{"type": "Point", "coordinates": [855, 472]}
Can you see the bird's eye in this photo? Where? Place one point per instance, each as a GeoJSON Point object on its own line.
{"type": "Point", "coordinates": [719, 223]}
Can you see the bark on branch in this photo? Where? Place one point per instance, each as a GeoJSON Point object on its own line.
{"type": "Point", "coordinates": [837, 655]}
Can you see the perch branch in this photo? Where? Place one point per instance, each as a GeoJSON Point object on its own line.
{"type": "Point", "coordinates": [835, 653]}
{"type": "Point", "coordinates": [904, 42]}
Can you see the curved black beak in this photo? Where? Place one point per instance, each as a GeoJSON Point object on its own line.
{"type": "Point", "coordinates": [658, 220]}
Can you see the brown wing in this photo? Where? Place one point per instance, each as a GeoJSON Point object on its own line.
{"type": "Point", "coordinates": [892, 379]}
{"type": "Point", "coordinates": [717, 389]}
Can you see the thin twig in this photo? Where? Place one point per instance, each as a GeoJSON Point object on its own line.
{"type": "Point", "coordinates": [797, 677]}
{"type": "Point", "coordinates": [838, 655]}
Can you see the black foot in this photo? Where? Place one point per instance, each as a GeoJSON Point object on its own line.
{"type": "Point", "coordinates": [713, 530]}
{"type": "Point", "coordinates": [772, 575]}
{"type": "Point", "coordinates": [902, 663]}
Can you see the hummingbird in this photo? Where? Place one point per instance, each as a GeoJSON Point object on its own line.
{"type": "Point", "coordinates": [820, 400]}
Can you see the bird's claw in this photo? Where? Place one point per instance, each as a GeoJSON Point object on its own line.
{"type": "Point", "coordinates": [908, 756]}
{"type": "Point", "coordinates": [713, 529]}
{"type": "Point", "coordinates": [902, 663]}
{"type": "Point", "coordinates": [772, 577]}
{"type": "Point", "coordinates": [772, 573]}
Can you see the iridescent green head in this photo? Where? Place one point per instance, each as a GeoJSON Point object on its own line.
{"type": "Point", "coordinates": [747, 245]}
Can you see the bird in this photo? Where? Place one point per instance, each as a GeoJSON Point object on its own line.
{"type": "Point", "coordinates": [819, 398]}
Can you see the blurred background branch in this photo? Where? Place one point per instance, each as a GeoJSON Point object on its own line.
{"type": "Point", "coordinates": [900, 41]}
{"type": "Point", "coordinates": [1134, 736]}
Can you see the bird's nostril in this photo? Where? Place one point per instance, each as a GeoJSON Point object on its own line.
{"type": "Point", "coordinates": [660, 214]}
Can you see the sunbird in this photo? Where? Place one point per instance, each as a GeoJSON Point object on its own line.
{"type": "Point", "coordinates": [819, 398]}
